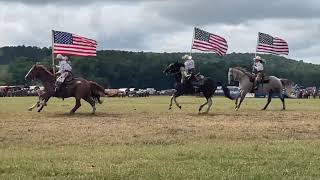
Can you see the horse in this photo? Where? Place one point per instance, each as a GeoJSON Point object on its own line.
{"type": "Point", "coordinates": [76, 87]}
{"type": "Point", "coordinates": [271, 85]}
{"type": "Point", "coordinates": [207, 87]}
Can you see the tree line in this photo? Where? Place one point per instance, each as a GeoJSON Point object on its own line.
{"type": "Point", "coordinates": [116, 69]}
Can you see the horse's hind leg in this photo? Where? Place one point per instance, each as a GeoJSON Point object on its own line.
{"type": "Point", "coordinates": [269, 100]}
{"type": "Point", "coordinates": [78, 104]}
{"type": "Point", "coordinates": [282, 100]}
{"type": "Point", "coordinates": [92, 103]}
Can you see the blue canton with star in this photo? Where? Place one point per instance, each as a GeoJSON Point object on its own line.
{"type": "Point", "coordinates": [201, 35]}
{"type": "Point", "coordinates": [62, 37]}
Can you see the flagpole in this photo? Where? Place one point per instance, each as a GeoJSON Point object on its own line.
{"type": "Point", "coordinates": [192, 41]}
{"type": "Point", "coordinates": [255, 54]}
{"type": "Point", "coordinates": [53, 65]}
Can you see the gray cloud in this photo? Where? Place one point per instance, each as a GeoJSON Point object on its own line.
{"type": "Point", "coordinates": [206, 12]}
{"type": "Point", "coordinates": [68, 2]}
{"type": "Point", "coordinates": [164, 25]}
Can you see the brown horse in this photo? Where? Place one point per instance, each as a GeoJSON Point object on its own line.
{"type": "Point", "coordinates": [77, 87]}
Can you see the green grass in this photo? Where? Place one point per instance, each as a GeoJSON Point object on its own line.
{"type": "Point", "coordinates": [138, 138]}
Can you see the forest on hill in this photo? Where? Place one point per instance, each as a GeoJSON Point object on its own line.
{"type": "Point", "coordinates": [116, 69]}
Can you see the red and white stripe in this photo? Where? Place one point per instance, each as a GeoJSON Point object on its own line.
{"type": "Point", "coordinates": [279, 46]}
{"type": "Point", "coordinates": [81, 47]}
{"type": "Point", "coordinates": [216, 44]}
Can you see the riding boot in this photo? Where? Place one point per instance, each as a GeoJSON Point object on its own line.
{"type": "Point", "coordinates": [57, 87]}
{"type": "Point", "coordinates": [255, 86]}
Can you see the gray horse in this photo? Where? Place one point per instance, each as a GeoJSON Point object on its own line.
{"type": "Point", "coordinates": [274, 85]}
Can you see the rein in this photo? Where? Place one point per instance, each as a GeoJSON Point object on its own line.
{"type": "Point", "coordinates": [172, 74]}
{"type": "Point", "coordinates": [241, 76]}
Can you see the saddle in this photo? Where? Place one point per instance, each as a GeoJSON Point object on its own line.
{"type": "Point", "coordinates": [197, 80]}
{"type": "Point", "coordinates": [69, 80]}
{"type": "Point", "coordinates": [265, 79]}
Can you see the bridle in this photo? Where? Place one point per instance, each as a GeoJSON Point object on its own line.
{"type": "Point", "coordinates": [173, 74]}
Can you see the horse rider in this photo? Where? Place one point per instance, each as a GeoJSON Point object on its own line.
{"type": "Point", "coordinates": [64, 71]}
{"type": "Point", "coordinates": [189, 68]}
{"type": "Point", "coordinates": [258, 70]}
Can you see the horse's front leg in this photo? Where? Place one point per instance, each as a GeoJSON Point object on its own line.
{"type": "Point", "coordinates": [35, 105]}
{"type": "Point", "coordinates": [170, 105]}
{"type": "Point", "coordinates": [269, 100]}
{"type": "Point", "coordinates": [243, 95]}
{"type": "Point", "coordinates": [43, 103]}
{"type": "Point", "coordinates": [236, 101]}
{"type": "Point", "coordinates": [175, 101]}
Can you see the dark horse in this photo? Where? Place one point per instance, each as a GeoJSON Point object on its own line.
{"type": "Point", "coordinates": [208, 87]}
{"type": "Point", "coordinates": [76, 87]}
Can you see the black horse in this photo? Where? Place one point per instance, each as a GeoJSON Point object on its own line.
{"type": "Point", "coordinates": [208, 87]}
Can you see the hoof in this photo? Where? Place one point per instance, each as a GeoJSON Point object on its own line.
{"type": "Point", "coordinates": [71, 113]}
{"type": "Point", "coordinates": [180, 107]}
{"type": "Point", "coordinates": [29, 109]}
{"type": "Point", "coordinates": [237, 109]}
{"type": "Point", "coordinates": [263, 109]}
{"type": "Point", "coordinates": [169, 108]}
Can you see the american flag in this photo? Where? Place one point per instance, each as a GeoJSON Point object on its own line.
{"type": "Point", "coordinates": [269, 44]}
{"type": "Point", "coordinates": [205, 41]}
{"type": "Point", "coordinates": [74, 45]}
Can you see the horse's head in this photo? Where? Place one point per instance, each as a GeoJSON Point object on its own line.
{"type": "Point", "coordinates": [36, 72]}
{"type": "Point", "coordinates": [230, 75]}
{"type": "Point", "coordinates": [31, 75]}
{"type": "Point", "coordinates": [173, 68]}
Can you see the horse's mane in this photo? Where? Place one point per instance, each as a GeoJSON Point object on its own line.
{"type": "Point", "coordinates": [45, 69]}
{"type": "Point", "coordinates": [246, 72]}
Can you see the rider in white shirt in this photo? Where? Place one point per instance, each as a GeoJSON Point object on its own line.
{"type": "Point", "coordinates": [258, 68]}
{"type": "Point", "coordinates": [64, 70]}
{"type": "Point", "coordinates": [189, 68]}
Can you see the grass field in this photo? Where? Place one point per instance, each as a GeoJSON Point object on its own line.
{"type": "Point", "coordinates": [138, 138]}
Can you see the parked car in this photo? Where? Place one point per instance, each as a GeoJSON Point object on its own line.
{"type": "Point", "coordinates": [151, 91]}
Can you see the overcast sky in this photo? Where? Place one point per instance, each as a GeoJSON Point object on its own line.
{"type": "Point", "coordinates": [164, 25]}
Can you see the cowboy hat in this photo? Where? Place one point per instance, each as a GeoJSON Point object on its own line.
{"type": "Point", "coordinates": [186, 57]}
{"type": "Point", "coordinates": [60, 57]}
{"type": "Point", "coordinates": [259, 59]}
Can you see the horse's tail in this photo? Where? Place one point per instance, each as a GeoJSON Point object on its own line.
{"type": "Point", "coordinates": [287, 86]}
{"type": "Point", "coordinates": [97, 91]}
{"type": "Point", "coordinates": [226, 90]}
